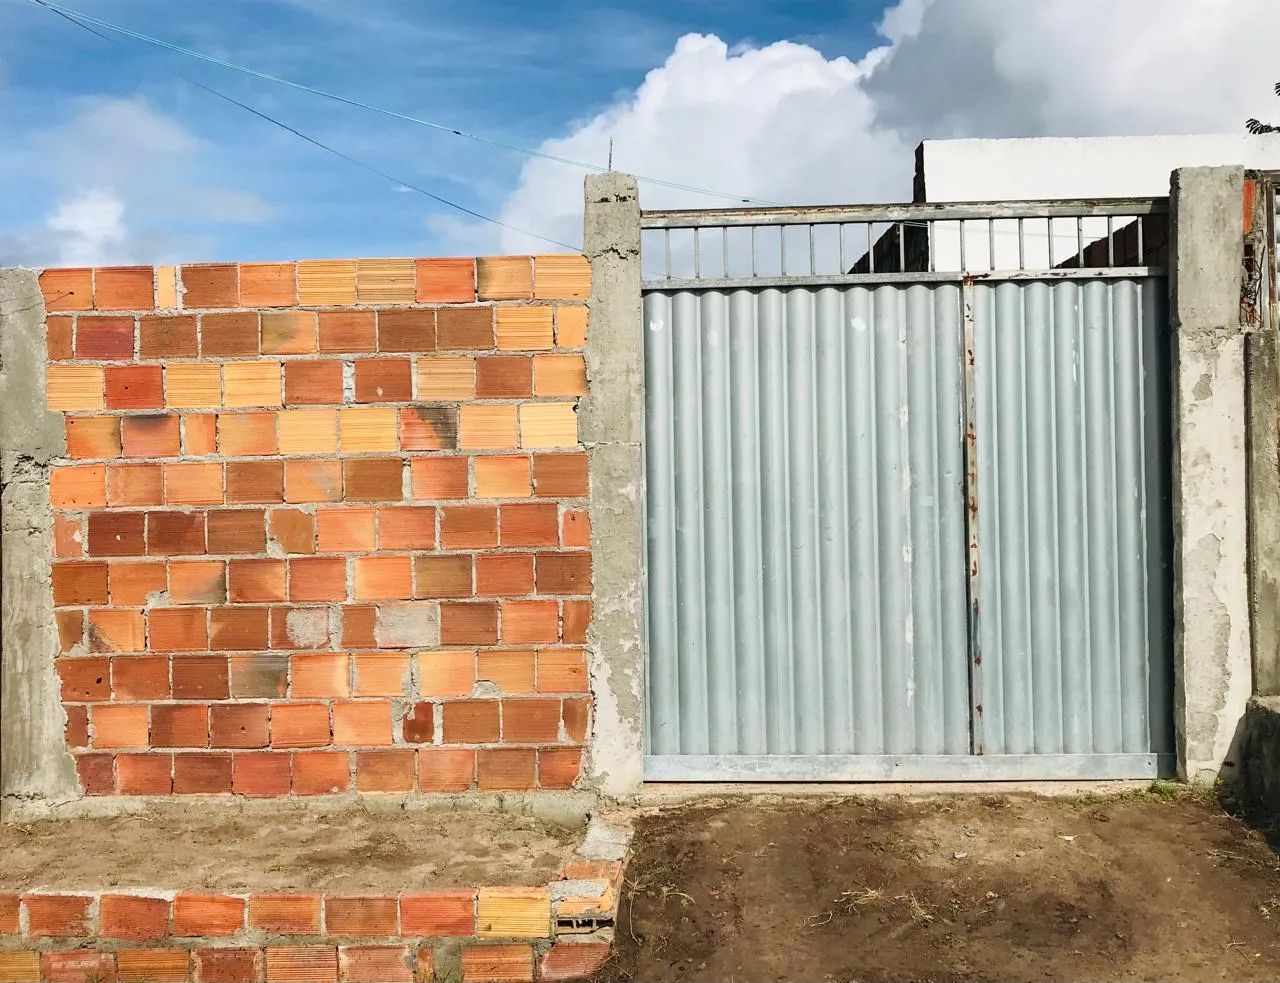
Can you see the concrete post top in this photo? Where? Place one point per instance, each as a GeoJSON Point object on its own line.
{"type": "Point", "coordinates": [611, 186]}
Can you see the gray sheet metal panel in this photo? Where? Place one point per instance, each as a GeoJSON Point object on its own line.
{"type": "Point", "coordinates": [806, 531]}
{"type": "Point", "coordinates": [1073, 485]}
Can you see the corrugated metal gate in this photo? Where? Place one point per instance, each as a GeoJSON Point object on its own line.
{"type": "Point", "coordinates": [908, 521]}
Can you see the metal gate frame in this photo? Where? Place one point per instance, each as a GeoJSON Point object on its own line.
{"type": "Point", "coordinates": [913, 244]}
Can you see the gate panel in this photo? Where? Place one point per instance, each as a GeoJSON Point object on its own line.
{"type": "Point", "coordinates": [805, 506]}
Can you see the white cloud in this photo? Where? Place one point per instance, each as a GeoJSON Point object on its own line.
{"type": "Point", "coordinates": [89, 229]}
{"type": "Point", "coordinates": [785, 123]}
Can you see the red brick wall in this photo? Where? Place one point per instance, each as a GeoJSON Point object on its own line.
{"type": "Point", "coordinates": [322, 525]}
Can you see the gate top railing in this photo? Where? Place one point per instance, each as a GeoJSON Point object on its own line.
{"type": "Point", "coordinates": [686, 248]}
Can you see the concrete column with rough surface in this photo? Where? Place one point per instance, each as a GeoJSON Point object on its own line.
{"type": "Point", "coordinates": [34, 761]}
{"type": "Point", "coordinates": [611, 422]}
{"type": "Point", "coordinates": [1212, 663]}
{"type": "Point", "coordinates": [1263, 384]}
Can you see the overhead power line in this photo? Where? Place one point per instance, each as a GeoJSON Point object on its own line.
{"type": "Point", "coordinates": [479, 138]}
{"type": "Point", "coordinates": [72, 18]}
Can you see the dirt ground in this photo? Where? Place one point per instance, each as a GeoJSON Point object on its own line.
{"type": "Point", "coordinates": [1158, 884]}
{"type": "Point", "coordinates": [264, 849]}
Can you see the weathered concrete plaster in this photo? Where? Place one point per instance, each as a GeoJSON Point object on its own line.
{"type": "Point", "coordinates": [1212, 663]}
{"type": "Point", "coordinates": [1262, 367]}
{"type": "Point", "coordinates": [611, 422]}
{"type": "Point", "coordinates": [34, 761]}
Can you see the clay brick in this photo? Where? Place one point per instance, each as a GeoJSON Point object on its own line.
{"type": "Point", "coordinates": [513, 912]}
{"type": "Point", "coordinates": [21, 967]}
{"type": "Point", "coordinates": [58, 343]}
{"type": "Point", "coordinates": [348, 331]}
{"type": "Point", "coordinates": [447, 377]}
{"type": "Point", "coordinates": [104, 338]}
{"type": "Point", "coordinates": [559, 767]}
{"type": "Point", "coordinates": [529, 621]}
{"type": "Point", "coordinates": [140, 678]}
{"type": "Point", "coordinates": [116, 631]}
{"type": "Point", "coordinates": [299, 628]}
{"type": "Point", "coordinates": [418, 726]}
{"type": "Point", "coordinates": [260, 774]}
{"type": "Point", "coordinates": [562, 671]}
{"type": "Point", "coordinates": [445, 281]}
{"type": "Point", "coordinates": [243, 725]}
{"type": "Point", "coordinates": [320, 676]}
{"type": "Point", "coordinates": [289, 333]}
{"type": "Point", "coordinates": [76, 732]}
{"type": "Point", "coordinates": [504, 575]}
{"type": "Point", "coordinates": [79, 487]}
{"type": "Point", "coordinates": [384, 380]}
{"type": "Point", "coordinates": [255, 482]}
{"type": "Point", "coordinates": [560, 375]}
{"type": "Point", "coordinates": [175, 533]}
{"type": "Point", "coordinates": [201, 774]}
{"type": "Point", "coordinates": [70, 629]}
{"type": "Point", "coordinates": [200, 678]}
{"type": "Point", "coordinates": [431, 914]}
{"type": "Point", "coordinates": [407, 528]}
{"type": "Point", "coordinates": [153, 965]}
{"type": "Point", "coordinates": [357, 626]}
{"type": "Point", "coordinates": [133, 583]}
{"type": "Point", "coordinates": [119, 726]}
{"type": "Point", "coordinates": [150, 436]}
{"type": "Point", "coordinates": [497, 963]}
{"type": "Point", "coordinates": [561, 277]}
{"type": "Point", "coordinates": [534, 524]}
{"type": "Point", "coordinates": [504, 376]}
{"type": "Point", "coordinates": [9, 907]}
{"type": "Point", "coordinates": [314, 964]}
{"type": "Point", "coordinates": [548, 425]}
{"type": "Point", "coordinates": [318, 578]}
{"type": "Point", "coordinates": [383, 578]}
{"type": "Point", "coordinates": [326, 281]}
{"type": "Point", "coordinates": [78, 966]}
{"type": "Point", "coordinates": [575, 528]}
{"type": "Point", "coordinates": [256, 580]}
{"type": "Point", "coordinates": [237, 629]}
{"type": "Point", "coordinates": [210, 285]}
{"type": "Point", "coordinates": [135, 484]}
{"type": "Point", "coordinates": [313, 382]}
{"type": "Point", "coordinates": [412, 625]}
{"type": "Point", "coordinates": [576, 713]}
{"type": "Point", "coordinates": [564, 573]}
{"type": "Point", "coordinates": [487, 426]}
{"type": "Point", "coordinates": [207, 915]}
{"type": "Point", "coordinates": [75, 387]}
{"type": "Point", "coordinates": [505, 769]}
{"type": "Point", "coordinates": [68, 536]}
{"type": "Point", "coordinates": [117, 534]}
{"type": "Point", "coordinates": [167, 337]}
{"type": "Point", "coordinates": [568, 961]}
{"type": "Point", "coordinates": [385, 771]}
{"type": "Point", "coordinates": [228, 965]}
{"type": "Point", "coordinates": [503, 476]}
{"type": "Point", "coordinates": [193, 483]}
{"type": "Point", "coordinates": [369, 428]}
{"type": "Point", "coordinates": [123, 288]}
{"type": "Point", "coordinates": [469, 624]}
{"type": "Point", "coordinates": [79, 583]}
{"type": "Point", "coordinates": [439, 477]}
{"type": "Point", "coordinates": [312, 481]}
{"type": "Point", "coordinates": [504, 277]}
{"type": "Point", "coordinates": [177, 629]}
{"type": "Point", "coordinates": [296, 725]}
{"type": "Point", "coordinates": [246, 433]}
{"type": "Point", "coordinates": [259, 676]}
{"type": "Point", "coordinates": [525, 328]}
{"type": "Point", "coordinates": [267, 285]}
{"type": "Point", "coordinates": [69, 289]}
{"type": "Point", "coordinates": [362, 722]}
{"type": "Point", "coordinates": [237, 531]}
{"type": "Point", "coordinates": [285, 913]}
{"type": "Point", "coordinates": [292, 530]}
{"type": "Point", "coordinates": [374, 964]}
{"type": "Point", "coordinates": [374, 479]}
{"type": "Point", "coordinates": [464, 328]}
{"type": "Point", "coordinates": [428, 428]}
{"type": "Point", "coordinates": [446, 769]}
{"type": "Point", "coordinates": [199, 434]}
{"type": "Point", "coordinates": [251, 384]}
{"type": "Point", "coordinates": [166, 287]}
{"type": "Point", "coordinates": [471, 721]}
{"type": "Point", "coordinates": [229, 335]}
{"type": "Point", "coordinates": [407, 331]}
{"type": "Point", "coordinates": [446, 673]}
{"type": "Point", "coordinates": [571, 327]}
{"type": "Point", "coordinates": [96, 773]}
{"type": "Point", "coordinates": [321, 772]}
{"type": "Point", "coordinates": [190, 384]}
{"type": "Point", "coordinates": [308, 431]}
{"type": "Point", "coordinates": [443, 576]}
{"type": "Point", "coordinates": [84, 680]}
{"type": "Point", "coordinates": [126, 916]}
{"type": "Point", "coordinates": [511, 670]}
{"type": "Point", "coordinates": [134, 387]}
{"type": "Point", "coordinates": [530, 721]}
{"type": "Point", "coordinates": [468, 526]}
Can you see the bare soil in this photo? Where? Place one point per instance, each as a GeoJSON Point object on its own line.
{"type": "Point", "coordinates": [1154, 885]}
{"type": "Point", "coordinates": [288, 849]}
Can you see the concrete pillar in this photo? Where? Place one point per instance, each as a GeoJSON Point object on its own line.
{"type": "Point", "coordinates": [34, 761]}
{"type": "Point", "coordinates": [611, 424]}
{"type": "Point", "coordinates": [1212, 662]}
